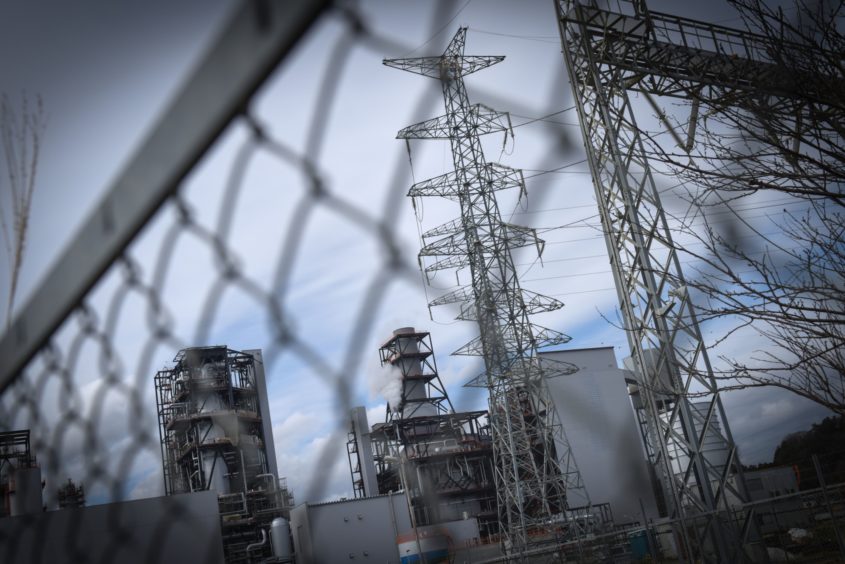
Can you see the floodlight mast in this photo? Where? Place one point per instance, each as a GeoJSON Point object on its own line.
{"type": "Point", "coordinates": [533, 484]}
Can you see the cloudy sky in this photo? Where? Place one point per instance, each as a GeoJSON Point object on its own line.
{"type": "Point", "coordinates": [106, 70]}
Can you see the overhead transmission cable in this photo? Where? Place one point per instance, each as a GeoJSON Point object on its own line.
{"type": "Point", "coordinates": [439, 31]}
{"type": "Point", "coordinates": [540, 38]}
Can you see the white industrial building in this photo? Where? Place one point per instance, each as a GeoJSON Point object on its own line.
{"type": "Point", "coordinates": [363, 529]}
{"type": "Point", "coordinates": [714, 448]}
{"type": "Point", "coordinates": [372, 529]}
{"type": "Point", "coordinates": [594, 407]}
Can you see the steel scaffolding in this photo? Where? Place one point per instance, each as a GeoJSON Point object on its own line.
{"type": "Point", "coordinates": [534, 485]}
{"type": "Point", "coordinates": [215, 435]}
{"type": "Point", "coordinates": [70, 495]}
{"type": "Point", "coordinates": [15, 455]}
{"type": "Point", "coordinates": [354, 458]}
{"type": "Point", "coordinates": [443, 460]}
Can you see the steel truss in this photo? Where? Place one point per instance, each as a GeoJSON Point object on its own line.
{"type": "Point", "coordinates": [443, 460]}
{"type": "Point", "coordinates": [224, 379]}
{"type": "Point", "coordinates": [608, 53]}
{"type": "Point", "coordinates": [536, 477]}
{"type": "Point", "coordinates": [412, 355]}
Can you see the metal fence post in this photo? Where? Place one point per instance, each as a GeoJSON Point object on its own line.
{"type": "Point", "coordinates": [823, 485]}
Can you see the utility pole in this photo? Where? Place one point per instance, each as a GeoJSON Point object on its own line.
{"type": "Point", "coordinates": [537, 480]}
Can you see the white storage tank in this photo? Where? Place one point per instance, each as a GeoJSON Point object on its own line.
{"type": "Point", "coordinates": [280, 539]}
{"type": "Point", "coordinates": [25, 493]}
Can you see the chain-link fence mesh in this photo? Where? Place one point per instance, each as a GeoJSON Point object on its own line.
{"type": "Point", "coordinates": [252, 249]}
{"type": "Point", "coordinates": [270, 242]}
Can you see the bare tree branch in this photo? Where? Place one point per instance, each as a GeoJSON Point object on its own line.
{"type": "Point", "coordinates": [789, 284]}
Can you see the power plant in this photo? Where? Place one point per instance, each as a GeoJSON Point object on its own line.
{"type": "Point", "coordinates": [215, 430]}
{"type": "Point", "coordinates": [574, 458]}
{"type": "Point", "coordinates": [442, 459]}
{"type": "Point", "coordinates": [20, 475]}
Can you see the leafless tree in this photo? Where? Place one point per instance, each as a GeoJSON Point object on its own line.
{"type": "Point", "coordinates": [787, 144]}
{"type": "Point", "coordinates": [21, 137]}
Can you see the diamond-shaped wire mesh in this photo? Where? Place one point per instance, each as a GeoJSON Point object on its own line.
{"type": "Point", "coordinates": [241, 250]}
{"type": "Point", "coordinates": [238, 249]}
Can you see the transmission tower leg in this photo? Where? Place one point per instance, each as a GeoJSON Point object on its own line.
{"type": "Point", "coordinates": [662, 331]}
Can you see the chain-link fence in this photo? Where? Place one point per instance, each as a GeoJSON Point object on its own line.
{"type": "Point", "coordinates": [802, 510]}
{"type": "Point", "coordinates": [257, 214]}
{"type": "Point", "coordinates": [232, 224]}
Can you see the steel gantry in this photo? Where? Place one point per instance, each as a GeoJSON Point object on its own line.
{"type": "Point", "coordinates": [609, 52]}
{"type": "Point", "coordinates": [537, 481]}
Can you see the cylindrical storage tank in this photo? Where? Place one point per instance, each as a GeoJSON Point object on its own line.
{"type": "Point", "coordinates": [432, 542]}
{"type": "Point", "coordinates": [25, 493]}
{"type": "Point", "coordinates": [280, 538]}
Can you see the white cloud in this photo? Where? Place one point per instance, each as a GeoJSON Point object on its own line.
{"type": "Point", "coordinates": [306, 473]}
{"type": "Point", "coordinates": [376, 414]}
{"type": "Point", "coordinates": [151, 484]}
{"type": "Point", "coordinates": [291, 431]}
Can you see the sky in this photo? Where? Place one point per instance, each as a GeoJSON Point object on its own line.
{"type": "Point", "coordinates": [106, 71]}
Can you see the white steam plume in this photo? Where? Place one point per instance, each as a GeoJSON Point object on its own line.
{"type": "Point", "coordinates": [387, 381]}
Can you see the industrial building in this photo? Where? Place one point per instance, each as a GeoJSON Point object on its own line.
{"type": "Point", "coordinates": [224, 501]}
{"type": "Point", "coordinates": [20, 475]}
{"type": "Point", "coordinates": [596, 411]}
{"type": "Point", "coordinates": [30, 534]}
{"type": "Point", "coordinates": [70, 495]}
{"type": "Point", "coordinates": [432, 466]}
{"type": "Point", "coordinates": [216, 434]}
{"type": "Point", "coordinates": [438, 460]}
{"type": "Point", "coordinates": [714, 448]}
{"type": "Point", "coordinates": [774, 492]}
{"type": "Point", "coordinates": [378, 529]}
{"type": "Point", "coordinates": [360, 529]}
{"type": "Point", "coordinates": [443, 459]}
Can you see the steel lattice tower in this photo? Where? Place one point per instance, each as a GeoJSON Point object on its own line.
{"type": "Point", "coordinates": [607, 54]}
{"type": "Point", "coordinates": [536, 475]}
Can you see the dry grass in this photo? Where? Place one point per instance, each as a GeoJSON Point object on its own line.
{"type": "Point", "coordinates": [21, 138]}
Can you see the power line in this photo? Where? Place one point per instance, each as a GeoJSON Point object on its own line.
{"type": "Point", "coordinates": [542, 172]}
{"type": "Point", "coordinates": [597, 272]}
{"type": "Point", "coordinates": [585, 223]}
{"type": "Point", "coordinates": [544, 118]}
{"type": "Point", "coordinates": [595, 290]}
{"type": "Point", "coordinates": [539, 38]}
{"type": "Point", "coordinates": [439, 31]}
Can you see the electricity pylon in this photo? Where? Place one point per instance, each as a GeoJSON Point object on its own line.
{"type": "Point", "coordinates": [535, 474]}
{"type": "Point", "coordinates": [607, 54]}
